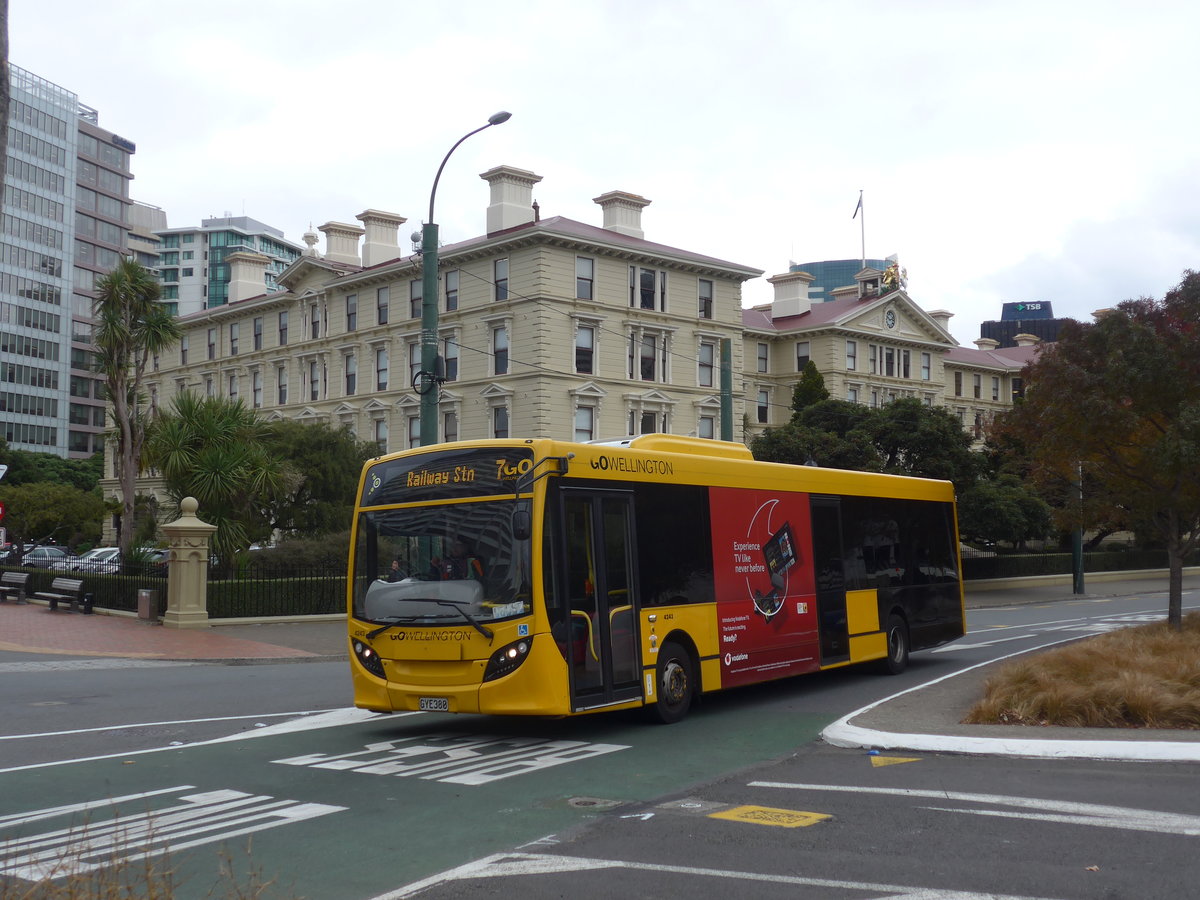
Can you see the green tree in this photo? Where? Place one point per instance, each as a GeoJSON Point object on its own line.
{"type": "Point", "coordinates": [809, 389]}
{"type": "Point", "coordinates": [324, 464]}
{"type": "Point", "coordinates": [27, 467]}
{"type": "Point", "coordinates": [1003, 509]}
{"type": "Point", "coordinates": [927, 441]}
{"type": "Point", "coordinates": [1120, 399]}
{"type": "Point", "coordinates": [218, 451]}
{"type": "Point", "coordinates": [43, 512]}
{"type": "Point", "coordinates": [132, 325]}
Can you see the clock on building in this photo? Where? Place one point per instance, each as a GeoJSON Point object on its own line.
{"type": "Point", "coordinates": [889, 318]}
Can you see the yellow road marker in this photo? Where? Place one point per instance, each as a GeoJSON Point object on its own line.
{"type": "Point", "coordinates": [765, 815]}
{"type": "Point", "coordinates": [878, 761]}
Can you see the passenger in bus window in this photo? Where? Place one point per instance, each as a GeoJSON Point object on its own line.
{"type": "Point", "coordinates": [394, 574]}
{"type": "Point", "coordinates": [461, 565]}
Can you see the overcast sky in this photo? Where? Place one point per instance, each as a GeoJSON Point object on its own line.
{"type": "Point", "coordinates": [1007, 150]}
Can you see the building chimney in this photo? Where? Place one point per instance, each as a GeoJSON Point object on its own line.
{"type": "Point", "coordinates": [341, 242]}
{"type": "Point", "coordinates": [791, 294]}
{"type": "Point", "coordinates": [247, 275]}
{"type": "Point", "coordinates": [512, 197]}
{"type": "Point", "coordinates": [1026, 340]}
{"type": "Point", "coordinates": [942, 317]}
{"type": "Point", "coordinates": [986, 343]}
{"type": "Point", "coordinates": [382, 244]}
{"type": "Point", "coordinates": [623, 212]}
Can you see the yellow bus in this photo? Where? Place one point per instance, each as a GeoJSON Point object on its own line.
{"type": "Point", "coordinates": [539, 577]}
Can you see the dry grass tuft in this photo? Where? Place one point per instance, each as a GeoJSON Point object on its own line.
{"type": "Point", "coordinates": [1144, 677]}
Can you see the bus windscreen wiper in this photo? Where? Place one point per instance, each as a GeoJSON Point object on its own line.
{"type": "Point", "coordinates": [403, 620]}
{"type": "Point", "coordinates": [486, 632]}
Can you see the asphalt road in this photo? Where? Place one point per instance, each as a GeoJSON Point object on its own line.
{"type": "Point", "coordinates": [740, 798]}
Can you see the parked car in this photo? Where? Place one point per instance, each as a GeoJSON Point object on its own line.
{"type": "Point", "coordinates": [99, 560]}
{"type": "Point", "coordinates": [48, 558]}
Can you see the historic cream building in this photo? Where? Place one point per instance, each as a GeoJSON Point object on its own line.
{"type": "Point", "coordinates": [551, 327]}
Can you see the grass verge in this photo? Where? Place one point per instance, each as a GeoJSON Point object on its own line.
{"type": "Point", "coordinates": [1143, 677]}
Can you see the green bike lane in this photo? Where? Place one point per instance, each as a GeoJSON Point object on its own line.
{"type": "Point", "coordinates": [357, 810]}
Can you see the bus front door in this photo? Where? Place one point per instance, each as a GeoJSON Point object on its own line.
{"type": "Point", "coordinates": [831, 579]}
{"type": "Point", "coordinates": [603, 652]}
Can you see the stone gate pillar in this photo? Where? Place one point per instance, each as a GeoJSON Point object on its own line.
{"type": "Point", "coordinates": [187, 568]}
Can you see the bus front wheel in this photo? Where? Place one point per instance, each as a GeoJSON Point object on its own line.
{"type": "Point", "coordinates": [676, 684]}
{"type": "Point", "coordinates": [897, 646]}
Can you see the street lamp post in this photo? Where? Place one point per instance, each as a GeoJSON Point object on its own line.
{"type": "Point", "coordinates": [429, 379]}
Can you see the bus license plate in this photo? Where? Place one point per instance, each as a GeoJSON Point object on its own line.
{"type": "Point", "coordinates": [434, 704]}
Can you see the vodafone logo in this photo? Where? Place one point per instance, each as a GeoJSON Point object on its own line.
{"type": "Point", "coordinates": [731, 658]}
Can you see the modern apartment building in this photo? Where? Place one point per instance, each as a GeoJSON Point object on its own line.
{"type": "Point", "coordinates": [65, 220]}
{"type": "Point", "coordinates": [193, 262]}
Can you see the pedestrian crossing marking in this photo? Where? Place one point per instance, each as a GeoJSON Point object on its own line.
{"type": "Point", "coordinates": [765, 815]}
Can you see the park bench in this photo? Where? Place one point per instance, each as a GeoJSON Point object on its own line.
{"type": "Point", "coordinates": [65, 590]}
{"type": "Point", "coordinates": [14, 584]}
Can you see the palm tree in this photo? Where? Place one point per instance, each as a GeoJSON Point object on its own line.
{"type": "Point", "coordinates": [132, 326]}
{"type": "Point", "coordinates": [217, 450]}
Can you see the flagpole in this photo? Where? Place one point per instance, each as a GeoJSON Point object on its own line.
{"type": "Point", "coordinates": [863, 226]}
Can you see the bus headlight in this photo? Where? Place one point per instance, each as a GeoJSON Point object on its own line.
{"type": "Point", "coordinates": [369, 658]}
{"type": "Point", "coordinates": [506, 660]}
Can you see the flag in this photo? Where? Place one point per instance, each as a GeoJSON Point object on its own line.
{"type": "Point", "coordinates": [858, 208]}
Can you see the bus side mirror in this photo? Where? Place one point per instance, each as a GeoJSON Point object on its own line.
{"type": "Point", "coordinates": [522, 524]}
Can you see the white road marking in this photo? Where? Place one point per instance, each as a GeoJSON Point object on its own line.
{"type": "Point", "coordinates": [503, 865]}
{"type": "Point", "coordinates": [1042, 810]}
{"type": "Point", "coordinates": [196, 819]}
{"type": "Point", "coordinates": [57, 665]}
{"type": "Point", "coordinates": [126, 727]}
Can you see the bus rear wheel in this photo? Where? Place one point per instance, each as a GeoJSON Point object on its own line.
{"type": "Point", "coordinates": [897, 647]}
{"type": "Point", "coordinates": [676, 684]}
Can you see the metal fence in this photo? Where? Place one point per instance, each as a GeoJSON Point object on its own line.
{"type": "Point", "coordinates": [116, 590]}
{"type": "Point", "coordinates": [276, 590]}
{"type": "Point", "coordinates": [981, 565]}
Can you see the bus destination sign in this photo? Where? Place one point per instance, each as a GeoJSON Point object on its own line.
{"type": "Point", "coordinates": [445, 475]}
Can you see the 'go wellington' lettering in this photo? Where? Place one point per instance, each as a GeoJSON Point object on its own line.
{"type": "Point", "coordinates": [633, 464]}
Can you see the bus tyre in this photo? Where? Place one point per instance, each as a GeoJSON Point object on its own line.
{"type": "Point", "coordinates": [676, 684]}
{"type": "Point", "coordinates": [897, 647]}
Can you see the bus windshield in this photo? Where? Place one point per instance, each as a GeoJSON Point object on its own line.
{"type": "Point", "coordinates": [441, 564]}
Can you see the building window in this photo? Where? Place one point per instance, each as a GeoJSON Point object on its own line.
{"type": "Point", "coordinates": [978, 427]}
{"type": "Point", "coordinates": [584, 268]}
{"type": "Point", "coordinates": [647, 289]}
{"type": "Point", "coordinates": [381, 435]}
{"type": "Point", "coordinates": [212, 343]}
{"type": "Point", "coordinates": [646, 421]}
{"type": "Point", "coordinates": [500, 421]}
{"type": "Point", "coordinates": [210, 387]}
{"type": "Point", "coordinates": [452, 290]}
{"type": "Point", "coordinates": [414, 431]}
{"type": "Point", "coordinates": [977, 385]}
{"type": "Point", "coordinates": [381, 369]}
{"type": "Point", "coordinates": [382, 299]}
{"type": "Point", "coordinates": [183, 350]}
{"type": "Point", "coordinates": [889, 362]}
{"type": "Point", "coordinates": [707, 360]}
{"type": "Point", "coordinates": [450, 427]}
{"type": "Point", "coordinates": [705, 292]}
{"type": "Point", "coordinates": [234, 328]}
{"type": "Point", "coordinates": [283, 323]}
{"type": "Point", "coordinates": [648, 353]}
{"type": "Point", "coordinates": [585, 423]}
{"type": "Point", "coordinates": [905, 363]}
{"type": "Point", "coordinates": [995, 388]}
{"type": "Point", "coordinates": [926, 367]}
{"type": "Point", "coordinates": [416, 294]}
{"type": "Point", "coordinates": [500, 278]}
{"type": "Point", "coordinates": [414, 361]}
{"type": "Point", "coordinates": [958, 384]}
{"type": "Point", "coordinates": [187, 272]}
{"type": "Point", "coordinates": [802, 355]}
{"type": "Point", "coordinates": [258, 333]}
{"type": "Point", "coordinates": [352, 312]}
{"type": "Point", "coordinates": [500, 350]}
{"type": "Point", "coordinates": [450, 357]}
{"type": "Point", "coordinates": [350, 367]}
{"type": "Point", "coordinates": [316, 321]}
{"type": "Point", "coordinates": [852, 394]}
{"type": "Point", "coordinates": [233, 387]}
{"type": "Point", "coordinates": [314, 381]}
{"type": "Point", "coordinates": [873, 359]}
{"type": "Point", "coordinates": [764, 358]}
{"type": "Point", "coordinates": [256, 389]}
{"type": "Point", "coordinates": [585, 349]}
{"type": "Point", "coordinates": [764, 404]}
{"type": "Point", "coordinates": [281, 379]}
{"type": "Point", "coordinates": [851, 356]}
{"type": "Point", "coordinates": [706, 427]}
